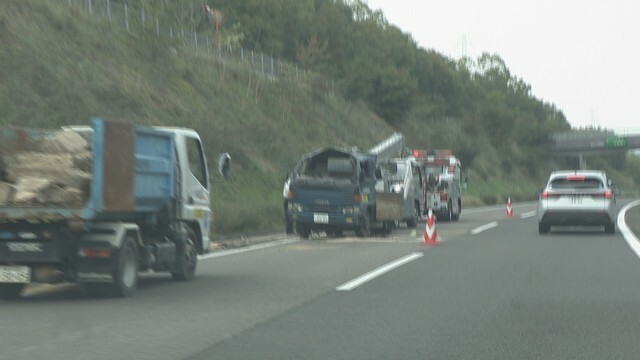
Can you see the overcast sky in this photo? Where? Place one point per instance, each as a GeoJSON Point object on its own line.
{"type": "Point", "coordinates": [583, 56]}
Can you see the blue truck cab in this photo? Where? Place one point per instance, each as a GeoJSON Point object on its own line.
{"type": "Point", "coordinates": [147, 207]}
{"type": "Point", "coordinates": [333, 189]}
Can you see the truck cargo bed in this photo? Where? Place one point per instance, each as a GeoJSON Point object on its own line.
{"type": "Point", "coordinates": [132, 172]}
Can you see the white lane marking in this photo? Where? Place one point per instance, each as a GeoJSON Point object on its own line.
{"type": "Point", "coordinates": [631, 239]}
{"type": "Point", "coordinates": [484, 209]}
{"type": "Point", "coordinates": [246, 249]}
{"type": "Point", "coordinates": [379, 271]}
{"type": "Point", "coordinates": [495, 208]}
{"type": "Point", "coordinates": [482, 228]}
{"type": "Point", "coordinates": [528, 215]}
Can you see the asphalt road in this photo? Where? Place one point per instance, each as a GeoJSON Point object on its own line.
{"type": "Point", "coordinates": [502, 293]}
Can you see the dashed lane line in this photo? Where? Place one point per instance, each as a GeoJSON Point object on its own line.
{"type": "Point", "coordinates": [485, 227]}
{"type": "Point", "coordinates": [528, 215]}
{"type": "Point", "coordinates": [350, 285]}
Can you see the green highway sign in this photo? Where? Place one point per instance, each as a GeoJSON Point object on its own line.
{"type": "Point", "coordinates": [615, 142]}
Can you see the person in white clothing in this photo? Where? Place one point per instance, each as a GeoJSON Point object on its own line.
{"type": "Point", "coordinates": [287, 219]}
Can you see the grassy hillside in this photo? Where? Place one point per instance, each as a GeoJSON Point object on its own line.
{"type": "Point", "coordinates": [60, 65]}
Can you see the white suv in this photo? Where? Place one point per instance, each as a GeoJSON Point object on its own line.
{"type": "Point", "coordinates": [577, 197]}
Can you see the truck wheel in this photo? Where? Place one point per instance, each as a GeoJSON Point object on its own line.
{"type": "Point", "coordinates": [365, 228]}
{"type": "Point", "coordinates": [456, 216]}
{"type": "Point", "coordinates": [449, 214]}
{"type": "Point", "coordinates": [387, 227]}
{"type": "Point", "coordinates": [335, 233]}
{"type": "Point", "coordinates": [125, 276]}
{"type": "Point", "coordinates": [187, 263]}
{"type": "Point", "coordinates": [303, 231]}
{"type": "Point", "coordinates": [414, 220]}
{"type": "Point", "coordinates": [10, 291]}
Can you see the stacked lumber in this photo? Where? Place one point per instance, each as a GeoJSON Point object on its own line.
{"type": "Point", "coordinates": [54, 172]}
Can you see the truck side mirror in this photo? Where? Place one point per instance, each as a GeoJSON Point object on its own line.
{"type": "Point", "coordinates": [224, 165]}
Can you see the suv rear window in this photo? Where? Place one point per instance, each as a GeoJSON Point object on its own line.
{"type": "Point", "coordinates": [577, 182]}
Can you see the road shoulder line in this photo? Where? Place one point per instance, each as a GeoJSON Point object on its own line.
{"type": "Point", "coordinates": [628, 235]}
{"type": "Point", "coordinates": [246, 249]}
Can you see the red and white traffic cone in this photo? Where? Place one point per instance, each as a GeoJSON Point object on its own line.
{"type": "Point", "coordinates": [430, 233]}
{"type": "Point", "coordinates": [509, 208]}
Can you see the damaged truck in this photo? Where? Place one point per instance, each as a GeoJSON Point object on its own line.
{"type": "Point", "coordinates": [334, 189]}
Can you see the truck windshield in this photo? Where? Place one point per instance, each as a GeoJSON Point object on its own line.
{"type": "Point", "coordinates": [328, 165]}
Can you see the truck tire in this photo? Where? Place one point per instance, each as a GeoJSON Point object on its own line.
{"type": "Point", "coordinates": [10, 291]}
{"type": "Point", "coordinates": [187, 263]}
{"type": "Point", "coordinates": [448, 215]}
{"type": "Point", "coordinates": [456, 215]}
{"type": "Point", "coordinates": [364, 230]}
{"type": "Point", "coordinates": [125, 274]}
{"type": "Point", "coordinates": [414, 220]}
{"type": "Point", "coordinates": [335, 233]}
{"type": "Point", "coordinates": [303, 231]}
{"type": "Point", "coordinates": [387, 227]}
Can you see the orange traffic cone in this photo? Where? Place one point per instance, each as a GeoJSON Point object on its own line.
{"type": "Point", "coordinates": [509, 208]}
{"type": "Point", "coordinates": [430, 233]}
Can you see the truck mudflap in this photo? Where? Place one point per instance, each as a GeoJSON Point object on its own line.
{"type": "Point", "coordinates": [95, 262]}
{"type": "Point", "coordinates": [388, 206]}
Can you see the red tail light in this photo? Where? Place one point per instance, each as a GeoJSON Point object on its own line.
{"type": "Point", "coordinates": [545, 195]}
{"type": "Point", "coordinates": [444, 197]}
{"type": "Point", "coordinates": [356, 198]}
{"type": "Point", "coordinates": [290, 195]}
{"type": "Point", "coordinates": [607, 194]}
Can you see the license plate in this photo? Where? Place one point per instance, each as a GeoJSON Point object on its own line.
{"type": "Point", "coordinates": [15, 274]}
{"type": "Point", "coordinates": [321, 218]}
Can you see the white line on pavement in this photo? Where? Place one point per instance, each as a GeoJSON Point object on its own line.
{"type": "Point", "coordinates": [482, 228]}
{"type": "Point", "coordinates": [631, 239]}
{"type": "Point", "coordinates": [246, 249]}
{"type": "Point", "coordinates": [495, 208]}
{"type": "Point", "coordinates": [377, 272]}
{"type": "Point", "coordinates": [528, 215]}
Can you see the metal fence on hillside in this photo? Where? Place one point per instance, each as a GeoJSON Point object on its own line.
{"type": "Point", "coordinates": [182, 31]}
